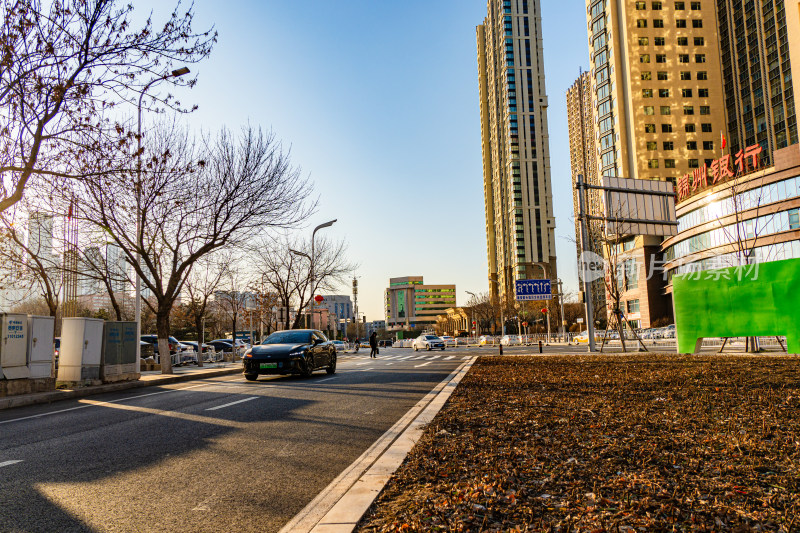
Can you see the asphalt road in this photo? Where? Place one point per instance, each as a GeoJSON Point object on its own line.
{"type": "Point", "coordinates": [215, 455]}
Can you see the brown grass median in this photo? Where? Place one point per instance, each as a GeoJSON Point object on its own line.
{"type": "Point", "coordinates": [607, 443]}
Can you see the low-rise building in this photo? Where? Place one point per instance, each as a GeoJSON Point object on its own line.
{"type": "Point", "coordinates": [411, 305]}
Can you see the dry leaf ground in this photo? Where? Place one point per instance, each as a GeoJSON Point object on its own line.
{"type": "Point", "coordinates": [607, 443]}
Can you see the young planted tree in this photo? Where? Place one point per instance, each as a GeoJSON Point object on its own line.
{"type": "Point", "coordinates": [191, 202]}
{"type": "Point", "coordinates": [67, 65]}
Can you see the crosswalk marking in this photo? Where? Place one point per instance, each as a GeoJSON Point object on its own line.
{"type": "Point", "coordinates": [423, 364]}
{"type": "Point", "coordinates": [449, 357]}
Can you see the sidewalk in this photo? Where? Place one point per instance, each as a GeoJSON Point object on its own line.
{"type": "Point", "coordinates": [148, 379]}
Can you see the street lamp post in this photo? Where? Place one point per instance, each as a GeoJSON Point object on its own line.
{"type": "Point", "coordinates": [311, 257]}
{"type": "Point", "coordinates": [138, 298]}
{"type": "Point", "coordinates": [471, 314]}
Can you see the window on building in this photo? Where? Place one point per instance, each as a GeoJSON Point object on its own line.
{"type": "Point", "coordinates": [702, 75]}
{"type": "Point", "coordinates": [645, 76]}
{"type": "Point", "coordinates": [694, 163]}
{"type": "Point", "coordinates": [794, 218]}
{"type": "Point", "coordinates": [705, 110]}
{"type": "Point", "coordinates": [652, 163]}
{"type": "Point", "coordinates": [669, 163]}
{"type": "Point", "coordinates": [663, 93]}
{"type": "Point", "coordinates": [668, 145]}
{"type": "Point", "coordinates": [641, 6]}
{"type": "Point", "coordinates": [683, 41]}
{"type": "Point", "coordinates": [632, 306]}
{"type": "Point", "coordinates": [661, 58]}
{"type": "Point", "coordinates": [641, 23]}
{"type": "Point", "coordinates": [702, 93]}
{"type": "Point", "coordinates": [689, 128]}
{"type": "Point", "coordinates": [686, 93]}
{"type": "Point", "coordinates": [656, 6]}
{"type": "Point", "coordinates": [691, 145]}
{"type": "Point", "coordinates": [680, 23]}
{"type": "Point", "coordinates": [652, 145]}
{"type": "Point", "coordinates": [695, 7]}
{"type": "Point", "coordinates": [686, 75]}
{"type": "Point", "coordinates": [658, 23]}
{"type": "Point", "coordinates": [699, 41]}
{"type": "Point", "coordinates": [708, 145]}
{"type": "Point", "coordinates": [659, 41]}
{"type": "Point", "coordinates": [688, 110]}
{"type": "Point", "coordinates": [705, 128]}
{"type": "Point", "coordinates": [699, 58]}
{"type": "Point", "coordinates": [649, 128]}
{"type": "Point", "coordinates": [666, 128]}
{"type": "Point", "coordinates": [644, 41]}
{"type": "Point", "coordinates": [663, 76]}
{"type": "Point", "coordinates": [683, 58]}
{"type": "Point", "coordinates": [648, 110]}
{"type": "Point", "coordinates": [665, 110]}
{"type": "Point", "coordinates": [697, 23]}
{"type": "Point", "coordinates": [644, 58]}
{"type": "Point", "coordinates": [680, 6]}
{"type": "Point", "coordinates": [647, 93]}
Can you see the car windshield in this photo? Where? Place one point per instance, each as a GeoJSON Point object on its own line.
{"type": "Point", "coordinates": [289, 337]}
{"type": "Point", "coordinates": [431, 337]}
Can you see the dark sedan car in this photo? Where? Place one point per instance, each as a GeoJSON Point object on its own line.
{"type": "Point", "coordinates": [297, 351]}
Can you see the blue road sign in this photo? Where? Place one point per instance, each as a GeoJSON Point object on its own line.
{"type": "Point", "coordinates": [533, 289]}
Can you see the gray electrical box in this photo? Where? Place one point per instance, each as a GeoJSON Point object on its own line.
{"type": "Point", "coordinates": [14, 346]}
{"type": "Point", "coordinates": [119, 349]}
{"type": "Point", "coordinates": [40, 346]}
{"type": "Point", "coordinates": [81, 350]}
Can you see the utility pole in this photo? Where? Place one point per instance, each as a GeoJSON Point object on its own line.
{"type": "Point", "coordinates": [587, 285]}
{"type": "Point", "coordinates": [561, 299]}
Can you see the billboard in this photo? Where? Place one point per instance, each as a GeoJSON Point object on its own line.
{"type": "Point", "coordinates": [532, 289]}
{"type": "Point", "coordinates": [639, 207]}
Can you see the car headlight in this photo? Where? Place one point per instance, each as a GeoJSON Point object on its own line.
{"type": "Point", "coordinates": [248, 353]}
{"type": "Point", "coordinates": [297, 352]}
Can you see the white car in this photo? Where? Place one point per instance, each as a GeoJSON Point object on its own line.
{"type": "Point", "coordinates": [511, 340]}
{"type": "Point", "coordinates": [448, 340]}
{"type": "Point", "coordinates": [427, 342]}
{"type": "Point", "coordinates": [340, 346]}
{"type": "Point", "coordinates": [486, 339]}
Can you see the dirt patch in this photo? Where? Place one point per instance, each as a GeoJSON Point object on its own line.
{"type": "Point", "coordinates": [606, 443]}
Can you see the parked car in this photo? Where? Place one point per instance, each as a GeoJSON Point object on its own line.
{"type": "Point", "coordinates": [384, 344]}
{"type": "Point", "coordinates": [297, 351]}
{"type": "Point", "coordinates": [448, 340]}
{"type": "Point", "coordinates": [174, 348]}
{"type": "Point", "coordinates": [340, 346]}
{"type": "Point", "coordinates": [222, 345]}
{"type": "Point", "coordinates": [427, 342]}
{"type": "Point", "coordinates": [145, 350]}
{"type": "Point", "coordinates": [511, 340]}
{"type": "Point", "coordinates": [486, 339]}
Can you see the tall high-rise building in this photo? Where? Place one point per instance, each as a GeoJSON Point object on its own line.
{"type": "Point", "coordinates": [657, 100]}
{"type": "Point", "coordinates": [657, 86]}
{"type": "Point", "coordinates": [583, 161]}
{"type": "Point", "coordinates": [760, 45]}
{"type": "Point", "coordinates": [520, 226]}
{"type": "Point", "coordinates": [411, 304]}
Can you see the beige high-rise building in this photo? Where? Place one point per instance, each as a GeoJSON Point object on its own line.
{"type": "Point", "coordinates": [583, 161]}
{"type": "Point", "coordinates": [657, 98]}
{"type": "Point", "coordinates": [520, 225]}
{"type": "Point", "coordinates": [657, 86]}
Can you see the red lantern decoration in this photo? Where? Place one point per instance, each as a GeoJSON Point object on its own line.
{"type": "Point", "coordinates": [318, 298]}
{"type": "Point", "coordinates": [544, 311]}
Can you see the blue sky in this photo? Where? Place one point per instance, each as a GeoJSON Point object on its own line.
{"type": "Point", "coordinates": [378, 101]}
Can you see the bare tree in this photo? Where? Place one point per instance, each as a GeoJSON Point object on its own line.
{"type": "Point", "coordinates": [200, 286]}
{"type": "Point", "coordinates": [67, 65]}
{"type": "Point", "coordinates": [192, 202]}
{"type": "Point", "coordinates": [232, 298]}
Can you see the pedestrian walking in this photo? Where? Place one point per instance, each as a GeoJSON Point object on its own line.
{"type": "Point", "coordinates": [373, 344]}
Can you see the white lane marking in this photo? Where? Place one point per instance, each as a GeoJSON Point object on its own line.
{"type": "Point", "coordinates": [423, 364]}
{"type": "Point", "coordinates": [433, 357]}
{"type": "Point", "coordinates": [326, 379]}
{"type": "Point", "coordinates": [100, 404]}
{"type": "Point", "coordinates": [232, 403]}
{"type": "Point", "coordinates": [364, 363]}
{"type": "Point", "coordinates": [9, 463]}
{"type": "Point", "coordinates": [364, 369]}
{"type": "Point", "coordinates": [406, 357]}
{"type": "Point", "coordinates": [449, 357]}
{"type": "Point", "coordinates": [387, 364]}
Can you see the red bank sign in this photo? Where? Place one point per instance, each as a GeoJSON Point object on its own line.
{"type": "Point", "coordinates": [721, 169]}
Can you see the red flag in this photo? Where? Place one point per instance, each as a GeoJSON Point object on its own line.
{"type": "Point", "coordinates": [722, 139]}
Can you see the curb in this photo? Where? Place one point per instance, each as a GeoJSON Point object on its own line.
{"type": "Point", "coordinates": [340, 506]}
{"type": "Point", "coordinates": [38, 398]}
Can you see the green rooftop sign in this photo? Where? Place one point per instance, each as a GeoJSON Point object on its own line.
{"type": "Point", "coordinates": [753, 300]}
